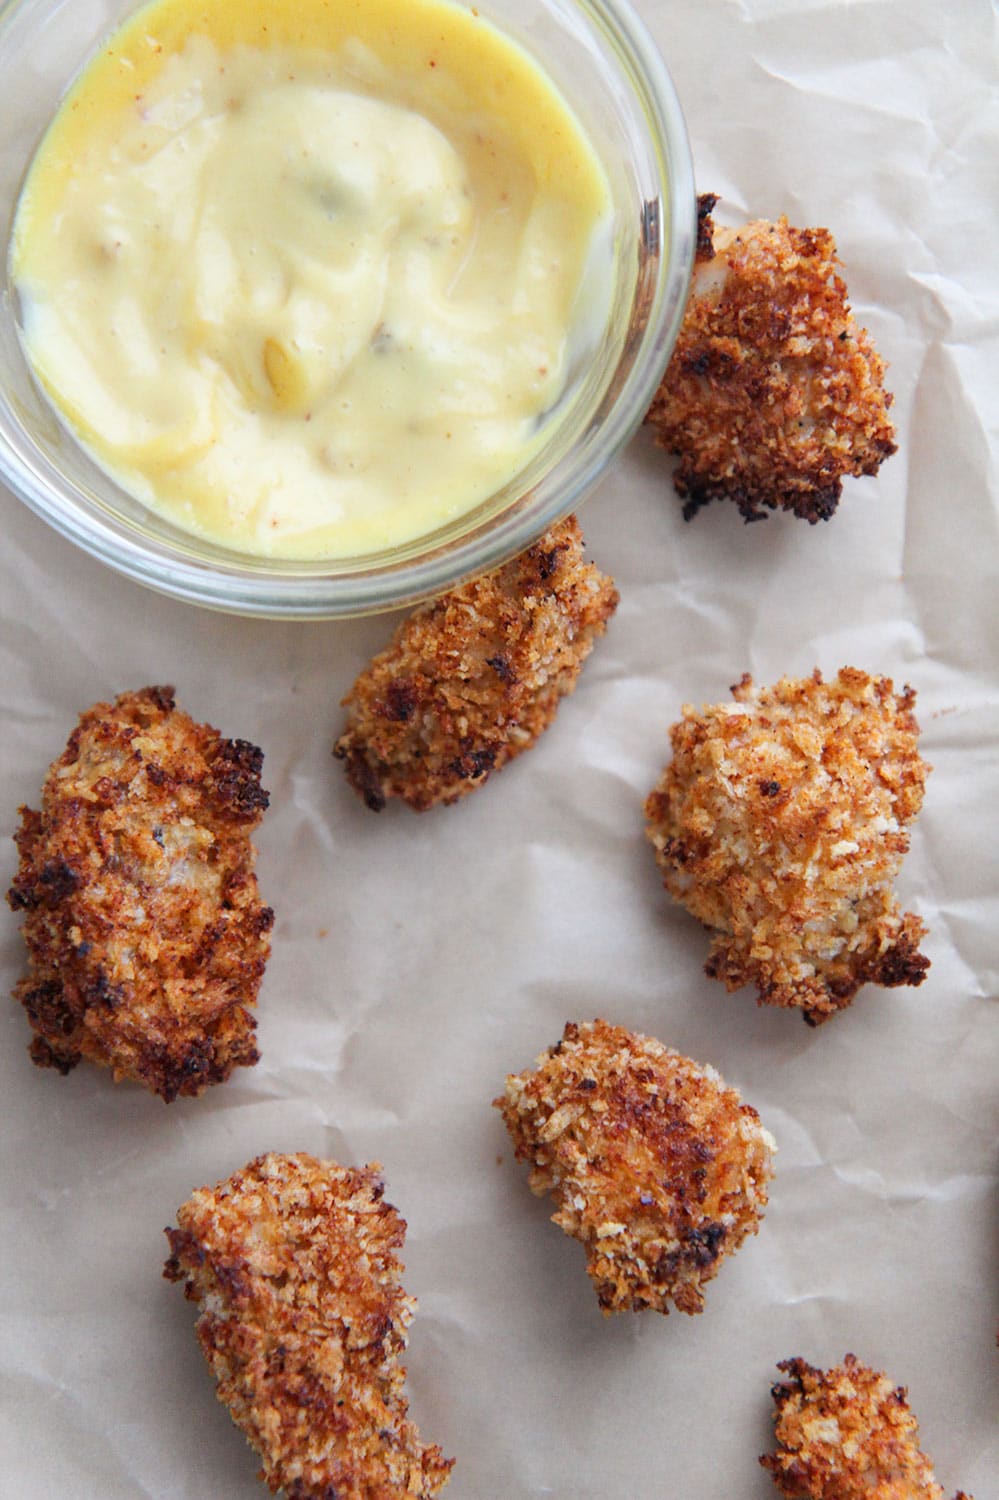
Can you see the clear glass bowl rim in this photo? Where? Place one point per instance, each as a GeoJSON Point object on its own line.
{"type": "Point", "coordinates": [253, 588]}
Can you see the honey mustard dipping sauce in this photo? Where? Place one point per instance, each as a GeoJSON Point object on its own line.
{"type": "Point", "coordinates": [304, 275]}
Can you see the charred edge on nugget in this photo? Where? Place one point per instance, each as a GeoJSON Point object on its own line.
{"type": "Point", "coordinates": [473, 763]}
{"type": "Point", "coordinates": [48, 1011]}
{"type": "Point", "coordinates": [44, 1054]}
{"type": "Point", "coordinates": [53, 883]}
{"type": "Point", "coordinates": [235, 772]}
{"type": "Point", "coordinates": [162, 698]}
{"type": "Point", "coordinates": [705, 226]}
{"type": "Point", "coordinates": [902, 964]}
{"type": "Point", "coordinates": [815, 504]}
{"type": "Point", "coordinates": [200, 1064]}
{"type": "Point", "coordinates": [363, 777]}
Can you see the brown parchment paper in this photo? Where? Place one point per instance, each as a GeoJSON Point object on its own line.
{"type": "Point", "coordinates": [417, 960]}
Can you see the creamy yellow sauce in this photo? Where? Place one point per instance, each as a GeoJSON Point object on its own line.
{"type": "Point", "coordinates": [302, 274]}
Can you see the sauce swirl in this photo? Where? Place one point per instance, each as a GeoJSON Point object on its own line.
{"type": "Point", "coordinates": [303, 276]}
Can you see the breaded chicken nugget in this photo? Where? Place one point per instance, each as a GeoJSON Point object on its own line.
{"type": "Point", "coordinates": [654, 1165]}
{"type": "Point", "coordinates": [146, 936]}
{"type": "Point", "coordinates": [847, 1434]}
{"type": "Point", "coordinates": [470, 681]}
{"type": "Point", "coordinates": [781, 824]}
{"type": "Point", "coordinates": [303, 1320]}
{"type": "Point", "coordinates": [773, 393]}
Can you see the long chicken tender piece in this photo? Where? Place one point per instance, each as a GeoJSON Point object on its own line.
{"type": "Point", "coordinates": [303, 1320]}
{"type": "Point", "coordinates": [847, 1434]}
{"type": "Point", "coordinates": [654, 1165]}
{"type": "Point", "coordinates": [146, 936]}
{"type": "Point", "coordinates": [781, 825]}
{"type": "Point", "coordinates": [773, 394]}
{"type": "Point", "coordinates": [470, 681]}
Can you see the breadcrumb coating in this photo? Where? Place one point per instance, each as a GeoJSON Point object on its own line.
{"type": "Point", "coordinates": [773, 394]}
{"type": "Point", "coordinates": [847, 1434]}
{"type": "Point", "coordinates": [781, 823]}
{"type": "Point", "coordinates": [146, 936]}
{"type": "Point", "coordinates": [303, 1320]}
{"type": "Point", "coordinates": [470, 681]}
{"type": "Point", "coordinates": [654, 1165]}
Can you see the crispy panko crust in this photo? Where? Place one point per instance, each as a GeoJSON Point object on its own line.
{"type": "Point", "coordinates": [654, 1165]}
{"type": "Point", "coordinates": [303, 1320]}
{"type": "Point", "coordinates": [146, 936]}
{"type": "Point", "coordinates": [773, 394]}
{"type": "Point", "coordinates": [847, 1434]}
{"type": "Point", "coordinates": [781, 824]}
{"type": "Point", "coordinates": [470, 681]}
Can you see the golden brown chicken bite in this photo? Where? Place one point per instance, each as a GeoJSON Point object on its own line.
{"type": "Point", "coordinates": [773, 394]}
{"type": "Point", "coordinates": [470, 681]}
{"type": "Point", "coordinates": [303, 1320]}
{"type": "Point", "coordinates": [654, 1165]}
{"type": "Point", "coordinates": [781, 823]}
{"type": "Point", "coordinates": [146, 936]}
{"type": "Point", "coordinates": [847, 1434]}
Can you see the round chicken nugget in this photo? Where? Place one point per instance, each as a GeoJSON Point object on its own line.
{"type": "Point", "coordinates": [470, 681]}
{"type": "Point", "coordinates": [773, 394]}
{"type": "Point", "coordinates": [847, 1434]}
{"type": "Point", "coordinates": [781, 824]}
{"type": "Point", "coordinates": [654, 1165]}
{"type": "Point", "coordinates": [303, 1320]}
{"type": "Point", "coordinates": [146, 936]}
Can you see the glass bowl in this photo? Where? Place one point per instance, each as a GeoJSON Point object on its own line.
{"type": "Point", "coordinates": [608, 68]}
